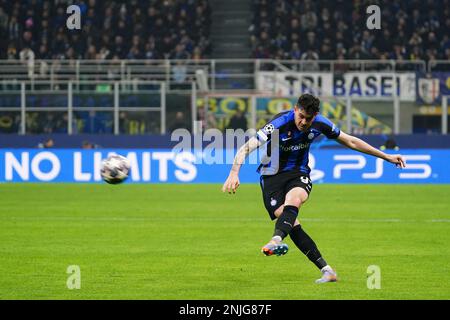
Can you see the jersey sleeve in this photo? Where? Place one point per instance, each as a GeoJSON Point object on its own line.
{"type": "Point", "coordinates": [265, 133]}
{"type": "Point", "coordinates": [328, 128]}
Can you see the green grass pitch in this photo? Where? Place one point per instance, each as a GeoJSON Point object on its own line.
{"type": "Point", "coordinates": [194, 242]}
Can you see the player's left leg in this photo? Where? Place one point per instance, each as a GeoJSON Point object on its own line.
{"type": "Point", "coordinates": [302, 240]}
{"type": "Point", "coordinates": [309, 248]}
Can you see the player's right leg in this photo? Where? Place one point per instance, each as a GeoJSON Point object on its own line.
{"type": "Point", "coordinates": [285, 222]}
{"type": "Point", "coordinates": [275, 247]}
{"type": "Point", "coordinates": [302, 240]}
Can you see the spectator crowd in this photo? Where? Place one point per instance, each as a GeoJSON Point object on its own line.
{"type": "Point", "coordinates": [180, 29]}
{"type": "Point", "coordinates": [303, 30]}
{"type": "Point", "coordinates": [119, 29]}
{"type": "Point", "coordinates": [336, 29]}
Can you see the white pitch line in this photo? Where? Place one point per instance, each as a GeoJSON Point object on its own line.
{"type": "Point", "coordinates": [149, 219]}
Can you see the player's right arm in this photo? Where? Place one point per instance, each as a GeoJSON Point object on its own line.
{"type": "Point", "coordinates": [263, 136]}
{"type": "Point", "coordinates": [232, 182]}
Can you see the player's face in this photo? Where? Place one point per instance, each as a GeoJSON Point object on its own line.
{"type": "Point", "coordinates": [303, 120]}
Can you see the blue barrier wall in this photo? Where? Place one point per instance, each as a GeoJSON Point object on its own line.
{"type": "Point", "coordinates": [165, 166]}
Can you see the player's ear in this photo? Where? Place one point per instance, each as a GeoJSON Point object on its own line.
{"type": "Point", "coordinates": [315, 115]}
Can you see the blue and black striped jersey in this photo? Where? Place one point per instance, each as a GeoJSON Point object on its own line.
{"type": "Point", "coordinates": [293, 144]}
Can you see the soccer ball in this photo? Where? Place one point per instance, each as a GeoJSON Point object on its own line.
{"type": "Point", "coordinates": [115, 169]}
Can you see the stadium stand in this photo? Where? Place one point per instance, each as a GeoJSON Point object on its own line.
{"type": "Point", "coordinates": [111, 30]}
{"type": "Point", "coordinates": [146, 43]}
{"type": "Point", "coordinates": [326, 30]}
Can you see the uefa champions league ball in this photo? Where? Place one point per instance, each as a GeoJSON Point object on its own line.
{"type": "Point", "coordinates": [115, 169]}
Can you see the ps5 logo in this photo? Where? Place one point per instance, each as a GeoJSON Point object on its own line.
{"type": "Point", "coordinates": [359, 162]}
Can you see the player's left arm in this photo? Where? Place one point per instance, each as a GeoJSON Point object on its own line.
{"type": "Point", "coordinates": [362, 146]}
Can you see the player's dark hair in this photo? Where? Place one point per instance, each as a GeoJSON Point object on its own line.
{"type": "Point", "coordinates": [309, 103]}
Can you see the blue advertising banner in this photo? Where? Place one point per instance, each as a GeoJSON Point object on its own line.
{"type": "Point", "coordinates": [166, 166]}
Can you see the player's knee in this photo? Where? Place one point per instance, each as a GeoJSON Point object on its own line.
{"type": "Point", "coordinates": [296, 197]}
{"type": "Point", "coordinates": [294, 201]}
{"type": "Point", "coordinates": [279, 211]}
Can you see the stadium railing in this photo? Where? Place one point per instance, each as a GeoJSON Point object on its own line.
{"type": "Point", "coordinates": [438, 65]}
{"type": "Point", "coordinates": [118, 99]}
{"type": "Point", "coordinates": [107, 97]}
{"type": "Point", "coordinates": [346, 65]}
{"type": "Point", "coordinates": [87, 85]}
{"type": "Point", "coordinates": [178, 74]}
{"type": "Point", "coordinates": [444, 115]}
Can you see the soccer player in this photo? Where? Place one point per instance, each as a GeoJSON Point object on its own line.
{"type": "Point", "coordinates": [285, 180]}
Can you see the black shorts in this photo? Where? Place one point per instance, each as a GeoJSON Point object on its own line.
{"type": "Point", "coordinates": [274, 188]}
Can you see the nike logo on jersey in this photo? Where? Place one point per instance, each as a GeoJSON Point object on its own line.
{"type": "Point", "coordinates": [286, 139]}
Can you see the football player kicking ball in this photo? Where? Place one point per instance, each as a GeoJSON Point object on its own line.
{"type": "Point", "coordinates": [285, 181]}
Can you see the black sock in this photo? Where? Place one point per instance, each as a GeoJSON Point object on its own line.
{"type": "Point", "coordinates": [307, 246]}
{"type": "Point", "coordinates": [286, 221]}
